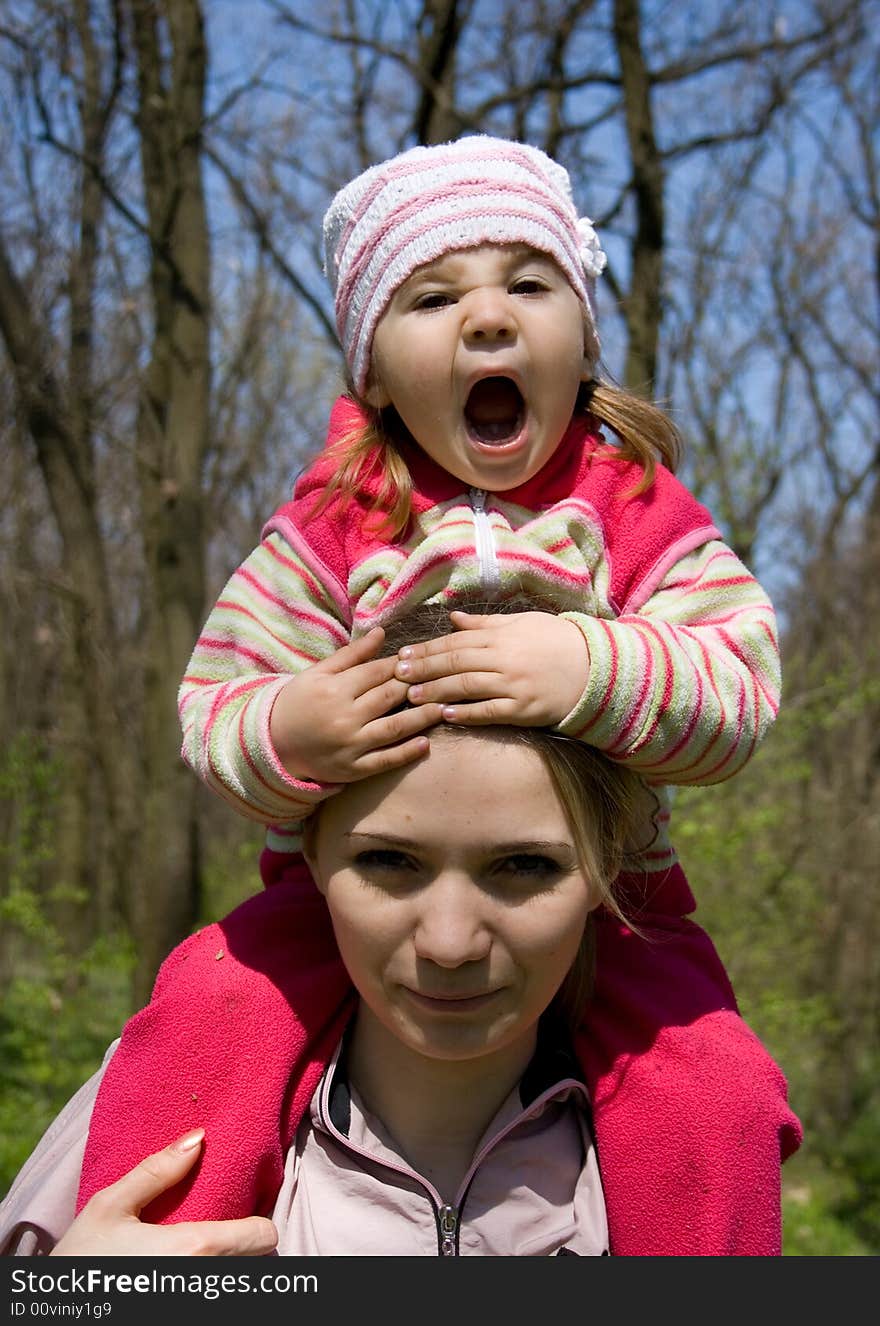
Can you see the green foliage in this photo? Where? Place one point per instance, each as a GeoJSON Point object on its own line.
{"type": "Point", "coordinates": [763, 864]}
{"type": "Point", "coordinates": [56, 1022]}
{"type": "Point", "coordinates": [814, 1214]}
{"type": "Point", "coordinates": [28, 782]}
{"type": "Point", "coordinates": [859, 1153]}
{"type": "Point", "coordinates": [60, 1009]}
{"type": "Point", "coordinates": [231, 870]}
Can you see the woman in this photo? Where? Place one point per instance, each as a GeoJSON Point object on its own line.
{"type": "Point", "coordinates": [452, 1118]}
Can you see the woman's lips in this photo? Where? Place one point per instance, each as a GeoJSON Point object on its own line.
{"type": "Point", "coordinates": [451, 1003]}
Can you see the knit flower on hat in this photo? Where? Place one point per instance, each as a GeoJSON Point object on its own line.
{"type": "Point", "coordinates": [590, 249]}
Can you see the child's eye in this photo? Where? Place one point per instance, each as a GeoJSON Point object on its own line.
{"type": "Point", "coordinates": [433, 299]}
{"type": "Point", "coordinates": [528, 285]}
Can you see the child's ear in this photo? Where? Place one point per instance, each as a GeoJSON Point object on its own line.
{"type": "Point", "coordinates": [590, 360]}
{"type": "Point", "coordinates": [375, 394]}
{"type": "Point", "coordinates": [591, 352]}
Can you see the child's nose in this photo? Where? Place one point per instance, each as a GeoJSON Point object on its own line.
{"type": "Point", "coordinates": [489, 316]}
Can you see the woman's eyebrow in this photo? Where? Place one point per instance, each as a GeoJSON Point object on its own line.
{"type": "Point", "coordinates": [382, 838]}
{"type": "Point", "coordinates": [531, 845]}
{"type": "Point", "coordinates": [511, 848]}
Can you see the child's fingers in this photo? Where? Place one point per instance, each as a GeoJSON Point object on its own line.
{"type": "Point", "coordinates": [395, 740]}
{"type": "Point", "coordinates": [484, 713]}
{"type": "Point", "coordinates": [446, 663]}
{"type": "Point", "coordinates": [401, 726]}
{"type": "Point", "coordinates": [366, 677]}
{"type": "Point", "coordinates": [355, 652]}
{"type": "Point", "coordinates": [387, 758]}
{"type": "Point", "coordinates": [445, 644]}
{"type": "Point", "coordinates": [459, 687]}
{"type": "Point", "coordinates": [484, 631]}
{"type": "Point", "coordinates": [360, 679]}
{"type": "Point", "coordinates": [473, 621]}
{"type": "Point", "coordinates": [387, 694]}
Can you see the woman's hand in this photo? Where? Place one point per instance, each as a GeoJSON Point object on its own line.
{"type": "Point", "coordinates": [525, 668]}
{"type": "Point", "coordinates": [109, 1224]}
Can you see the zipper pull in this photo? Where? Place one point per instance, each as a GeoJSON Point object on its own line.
{"type": "Point", "coordinates": [448, 1219]}
{"type": "Point", "coordinates": [484, 540]}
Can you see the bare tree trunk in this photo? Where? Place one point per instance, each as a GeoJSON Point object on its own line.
{"type": "Point", "coordinates": [642, 306]}
{"type": "Point", "coordinates": [72, 498]}
{"type": "Point", "coordinates": [172, 440]}
{"type": "Point", "coordinates": [440, 25]}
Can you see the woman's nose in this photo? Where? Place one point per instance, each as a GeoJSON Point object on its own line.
{"type": "Point", "coordinates": [489, 316]}
{"type": "Point", "coordinates": [451, 929]}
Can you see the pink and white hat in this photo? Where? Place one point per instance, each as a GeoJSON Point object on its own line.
{"type": "Point", "coordinates": [428, 201]}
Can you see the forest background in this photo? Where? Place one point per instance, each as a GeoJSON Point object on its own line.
{"type": "Point", "coordinates": [168, 360]}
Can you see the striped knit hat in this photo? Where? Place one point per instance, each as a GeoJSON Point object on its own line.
{"type": "Point", "coordinates": [428, 201]}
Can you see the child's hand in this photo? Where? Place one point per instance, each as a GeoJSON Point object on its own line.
{"type": "Point", "coordinates": [110, 1225]}
{"type": "Point", "coordinates": [527, 668]}
{"type": "Point", "coordinates": [330, 724]}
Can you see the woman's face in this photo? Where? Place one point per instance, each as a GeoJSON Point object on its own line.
{"type": "Point", "coordinates": [455, 895]}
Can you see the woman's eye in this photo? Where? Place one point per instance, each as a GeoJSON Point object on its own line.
{"type": "Point", "coordinates": [380, 860]}
{"type": "Point", "coordinates": [529, 866]}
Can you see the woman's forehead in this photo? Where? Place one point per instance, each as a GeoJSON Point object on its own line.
{"type": "Point", "coordinates": [469, 781]}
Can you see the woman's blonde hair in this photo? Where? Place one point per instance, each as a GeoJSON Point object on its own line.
{"type": "Point", "coordinates": [643, 432]}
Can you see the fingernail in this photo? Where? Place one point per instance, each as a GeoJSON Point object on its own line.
{"type": "Point", "coordinates": [190, 1141]}
{"type": "Point", "coordinates": [448, 712]}
{"type": "Point", "coordinates": [404, 669]}
{"type": "Point", "coordinates": [405, 652]}
{"type": "Point", "coordinates": [414, 693]}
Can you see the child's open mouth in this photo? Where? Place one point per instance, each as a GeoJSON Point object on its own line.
{"type": "Point", "coordinates": [495, 411]}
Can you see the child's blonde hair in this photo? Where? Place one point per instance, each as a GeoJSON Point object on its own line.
{"type": "Point", "coordinates": [643, 434]}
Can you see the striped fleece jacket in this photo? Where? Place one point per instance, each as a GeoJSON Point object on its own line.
{"type": "Point", "coordinates": [683, 658]}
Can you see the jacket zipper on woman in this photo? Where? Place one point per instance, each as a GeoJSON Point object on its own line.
{"type": "Point", "coordinates": [487, 556]}
{"type": "Point", "coordinates": [447, 1224]}
{"type": "Point", "coordinates": [447, 1218]}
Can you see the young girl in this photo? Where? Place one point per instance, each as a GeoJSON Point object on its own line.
{"type": "Point", "coordinates": [468, 458]}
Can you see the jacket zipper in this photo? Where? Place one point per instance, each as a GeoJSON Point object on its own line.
{"type": "Point", "coordinates": [447, 1219]}
{"type": "Point", "coordinates": [485, 541]}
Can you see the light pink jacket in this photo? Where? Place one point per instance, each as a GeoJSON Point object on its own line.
{"type": "Point", "coordinates": [533, 1188]}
